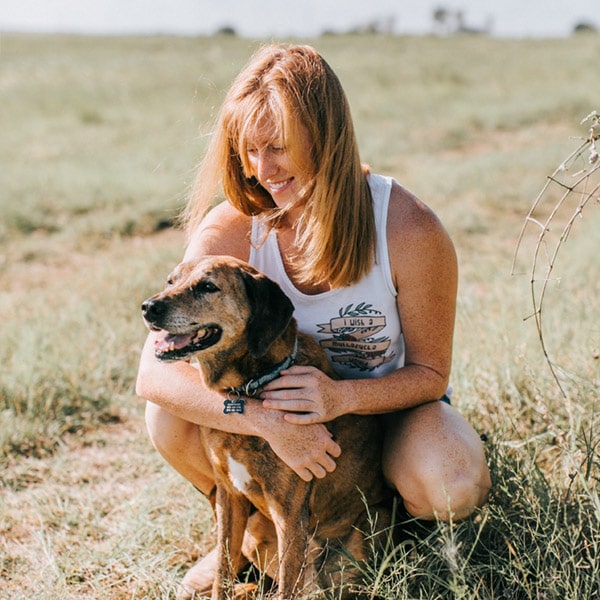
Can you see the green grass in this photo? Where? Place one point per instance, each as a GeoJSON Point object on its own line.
{"type": "Point", "coordinates": [100, 137]}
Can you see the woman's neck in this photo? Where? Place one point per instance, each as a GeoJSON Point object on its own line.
{"type": "Point", "coordinates": [286, 240]}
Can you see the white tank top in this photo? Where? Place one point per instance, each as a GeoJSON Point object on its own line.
{"type": "Point", "coordinates": [358, 326]}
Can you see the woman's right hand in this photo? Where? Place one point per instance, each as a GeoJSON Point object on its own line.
{"type": "Point", "coordinates": [309, 450]}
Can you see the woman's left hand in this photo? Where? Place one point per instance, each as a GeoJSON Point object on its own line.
{"type": "Point", "coordinates": [305, 394]}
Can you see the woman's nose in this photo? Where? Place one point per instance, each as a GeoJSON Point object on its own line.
{"type": "Point", "coordinates": [266, 165]}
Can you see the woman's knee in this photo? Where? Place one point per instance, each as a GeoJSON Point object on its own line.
{"type": "Point", "coordinates": [179, 443]}
{"type": "Point", "coordinates": [170, 435]}
{"type": "Point", "coordinates": [163, 429]}
{"type": "Point", "coordinates": [443, 495]}
{"type": "Point", "coordinates": [437, 463]}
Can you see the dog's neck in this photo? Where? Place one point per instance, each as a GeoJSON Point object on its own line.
{"type": "Point", "coordinates": [255, 383]}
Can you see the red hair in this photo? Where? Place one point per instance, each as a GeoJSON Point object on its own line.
{"type": "Point", "coordinates": [294, 88]}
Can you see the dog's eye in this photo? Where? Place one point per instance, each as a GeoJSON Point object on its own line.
{"type": "Point", "coordinates": [204, 287]}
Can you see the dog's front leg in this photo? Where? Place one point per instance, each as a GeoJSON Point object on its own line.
{"type": "Point", "coordinates": [291, 523]}
{"type": "Point", "coordinates": [232, 515]}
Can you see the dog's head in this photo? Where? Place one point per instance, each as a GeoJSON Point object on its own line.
{"type": "Point", "coordinates": [216, 302]}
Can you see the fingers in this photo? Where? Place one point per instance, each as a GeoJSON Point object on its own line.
{"type": "Point", "coordinates": [292, 378]}
{"type": "Point", "coordinates": [300, 370]}
{"type": "Point", "coordinates": [318, 470]}
{"type": "Point", "coordinates": [295, 402]}
{"type": "Point", "coordinates": [299, 405]}
{"type": "Point", "coordinates": [305, 418]}
{"type": "Point", "coordinates": [334, 450]}
{"type": "Point", "coordinates": [304, 474]}
{"type": "Point", "coordinates": [317, 459]}
{"type": "Point", "coordinates": [287, 388]}
{"type": "Point", "coordinates": [296, 390]}
{"type": "Point", "coordinates": [310, 450]}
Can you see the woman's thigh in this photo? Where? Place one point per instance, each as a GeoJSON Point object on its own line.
{"type": "Point", "coordinates": [180, 444]}
{"type": "Point", "coordinates": [436, 461]}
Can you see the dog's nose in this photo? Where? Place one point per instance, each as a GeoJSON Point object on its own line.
{"type": "Point", "coordinates": [153, 309]}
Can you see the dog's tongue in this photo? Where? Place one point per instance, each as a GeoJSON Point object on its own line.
{"type": "Point", "coordinates": [173, 342]}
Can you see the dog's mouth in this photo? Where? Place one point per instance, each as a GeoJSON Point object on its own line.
{"type": "Point", "coordinates": [177, 346]}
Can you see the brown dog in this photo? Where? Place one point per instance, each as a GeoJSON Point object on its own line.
{"type": "Point", "coordinates": [239, 326]}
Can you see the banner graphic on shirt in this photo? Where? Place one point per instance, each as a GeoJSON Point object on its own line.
{"type": "Point", "coordinates": [353, 342]}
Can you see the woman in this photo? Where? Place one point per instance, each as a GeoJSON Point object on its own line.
{"type": "Point", "coordinates": [372, 274]}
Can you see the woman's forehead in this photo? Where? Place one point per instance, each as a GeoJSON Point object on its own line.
{"type": "Point", "coordinates": [263, 132]}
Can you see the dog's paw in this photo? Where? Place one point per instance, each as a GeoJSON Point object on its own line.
{"type": "Point", "coordinates": [246, 591]}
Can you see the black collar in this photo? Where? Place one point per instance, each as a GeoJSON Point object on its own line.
{"type": "Point", "coordinates": [251, 387]}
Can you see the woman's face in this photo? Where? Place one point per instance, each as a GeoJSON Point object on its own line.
{"type": "Point", "coordinates": [272, 164]}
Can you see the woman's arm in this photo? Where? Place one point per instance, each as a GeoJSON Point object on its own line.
{"type": "Point", "coordinates": [424, 267]}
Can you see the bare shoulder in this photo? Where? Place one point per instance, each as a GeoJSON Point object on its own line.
{"type": "Point", "coordinates": [224, 230]}
{"type": "Point", "coordinates": [411, 221]}
{"type": "Point", "coordinates": [416, 237]}
{"type": "Point", "coordinates": [409, 215]}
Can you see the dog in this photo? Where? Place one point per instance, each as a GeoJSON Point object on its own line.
{"type": "Point", "coordinates": [239, 326]}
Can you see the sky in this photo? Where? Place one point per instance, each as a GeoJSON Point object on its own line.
{"type": "Point", "coordinates": [281, 18]}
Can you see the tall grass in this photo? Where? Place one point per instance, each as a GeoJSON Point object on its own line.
{"type": "Point", "coordinates": [99, 141]}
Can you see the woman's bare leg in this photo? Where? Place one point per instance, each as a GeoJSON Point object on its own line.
{"type": "Point", "coordinates": [179, 443]}
{"type": "Point", "coordinates": [436, 461]}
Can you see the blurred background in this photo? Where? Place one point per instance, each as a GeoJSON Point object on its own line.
{"type": "Point", "coordinates": [266, 18]}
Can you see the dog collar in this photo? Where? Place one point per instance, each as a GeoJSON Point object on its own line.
{"type": "Point", "coordinates": [235, 401]}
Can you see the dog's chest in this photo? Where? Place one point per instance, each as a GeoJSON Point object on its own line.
{"type": "Point", "coordinates": [239, 475]}
{"type": "Point", "coordinates": [244, 463]}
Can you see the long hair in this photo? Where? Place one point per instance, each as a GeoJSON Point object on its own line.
{"type": "Point", "coordinates": [294, 88]}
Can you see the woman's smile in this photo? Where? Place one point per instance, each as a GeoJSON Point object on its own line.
{"type": "Point", "coordinates": [273, 167]}
{"type": "Point", "coordinates": [275, 187]}
{"type": "Point", "coordinates": [275, 171]}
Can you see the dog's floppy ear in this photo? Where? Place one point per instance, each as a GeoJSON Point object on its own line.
{"type": "Point", "coordinates": [270, 312]}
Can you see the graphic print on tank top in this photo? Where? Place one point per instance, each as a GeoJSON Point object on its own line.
{"type": "Point", "coordinates": [354, 342]}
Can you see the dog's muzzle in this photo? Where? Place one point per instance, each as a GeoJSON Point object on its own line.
{"type": "Point", "coordinates": [178, 341]}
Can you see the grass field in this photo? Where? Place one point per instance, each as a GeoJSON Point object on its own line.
{"type": "Point", "coordinates": [99, 141]}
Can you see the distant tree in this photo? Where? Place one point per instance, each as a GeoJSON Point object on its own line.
{"type": "Point", "coordinates": [585, 27]}
{"type": "Point", "coordinates": [442, 20]}
{"type": "Point", "coordinates": [227, 30]}
{"type": "Point", "coordinates": [383, 25]}
{"type": "Point", "coordinates": [450, 22]}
